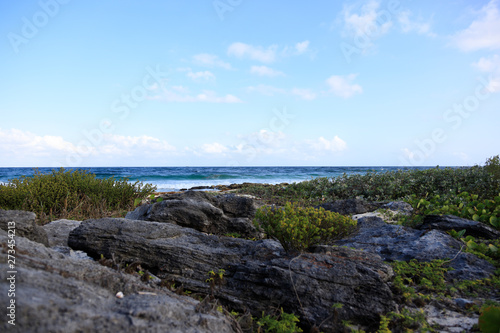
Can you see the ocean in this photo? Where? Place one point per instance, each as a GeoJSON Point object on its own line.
{"type": "Point", "coordinates": [176, 178]}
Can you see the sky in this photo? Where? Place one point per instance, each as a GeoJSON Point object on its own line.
{"type": "Point", "coordinates": [249, 83]}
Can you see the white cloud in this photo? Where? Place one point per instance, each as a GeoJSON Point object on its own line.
{"type": "Point", "coordinates": [407, 25]}
{"type": "Point", "coordinates": [302, 47]}
{"type": "Point", "coordinates": [482, 33]}
{"type": "Point", "coordinates": [266, 90]}
{"type": "Point", "coordinates": [141, 143]}
{"type": "Point", "coordinates": [49, 150]}
{"type": "Point", "coordinates": [306, 94]}
{"type": "Point", "coordinates": [214, 148]}
{"type": "Point", "coordinates": [211, 97]}
{"type": "Point", "coordinates": [201, 76]}
{"type": "Point", "coordinates": [490, 65]}
{"type": "Point", "coordinates": [258, 53]}
{"type": "Point", "coordinates": [182, 95]}
{"type": "Point", "coordinates": [334, 145]}
{"type": "Point", "coordinates": [341, 85]}
{"type": "Point", "coordinates": [369, 21]}
{"type": "Point", "coordinates": [265, 71]}
{"type": "Point", "coordinates": [210, 60]}
{"type": "Point", "coordinates": [19, 142]}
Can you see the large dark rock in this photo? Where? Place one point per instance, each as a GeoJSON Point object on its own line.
{"type": "Point", "coordinates": [351, 206]}
{"type": "Point", "coordinates": [25, 225]}
{"type": "Point", "coordinates": [219, 215]}
{"type": "Point", "coordinates": [258, 274]}
{"type": "Point", "coordinates": [236, 205]}
{"type": "Point", "coordinates": [54, 293]}
{"type": "Point", "coordinates": [394, 242]}
{"type": "Point", "coordinates": [449, 222]}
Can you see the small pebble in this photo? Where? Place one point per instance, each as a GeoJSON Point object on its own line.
{"type": "Point", "coordinates": [119, 294]}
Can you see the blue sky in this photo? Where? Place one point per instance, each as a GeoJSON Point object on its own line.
{"type": "Point", "coordinates": [238, 82]}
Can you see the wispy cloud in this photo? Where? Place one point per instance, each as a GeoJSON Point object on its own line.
{"type": "Point", "coordinates": [214, 148]}
{"type": "Point", "coordinates": [306, 94]}
{"type": "Point", "coordinates": [410, 25]}
{"type": "Point", "coordinates": [334, 145]}
{"type": "Point", "coordinates": [242, 50]}
{"type": "Point", "coordinates": [302, 47]}
{"type": "Point", "coordinates": [201, 76]}
{"type": "Point", "coordinates": [55, 150]}
{"type": "Point", "coordinates": [363, 21]}
{"type": "Point", "coordinates": [265, 90]}
{"type": "Point", "coordinates": [490, 65]}
{"type": "Point", "coordinates": [15, 141]}
{"type": "Point", "coordinates": [265, 71]}
{"type": "Point", "coordinates": [210, 60]}
{"type": "Point", "coordinates": [341, 85]}
{"type": "Point", "coordinates": [482, 33]}
{"type": "Point", "coordinates": [182, 94]}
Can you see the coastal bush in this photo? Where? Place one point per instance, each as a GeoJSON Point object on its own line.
{"type": "Point", "coordinates": [298, 228]}
{"type": "Point", "coordinates": [379, 186]}
{"type": "Point", "coordinates": [71, 194]}
{"type": "Point", "coordinates": [489, 321]}
{"type": "Point", "coordinates": [284, 323]}
{"type": "Point", "coordinates": [492, 166]}
{"type": "Point", "coordinates": [463, 205]}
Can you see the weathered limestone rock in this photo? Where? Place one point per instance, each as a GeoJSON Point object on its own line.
{"type": "Point", "coordinates": [449, 222]}
{"type": "Point", "coordinates": [351, 206]}
{"type": "Point", "coordinates": [25, 225]}
{"type": "Point", "coordinates": [220, 214]}
{"type": "Point", "coordinates": [391, 210]}
{"type": "Point", "coordinates": [55, 293]}
{"type": "Point", "coordinates": [394, 242]}
{"type": "Point", "coordinates": [58, 231]}
{"type": "Point", "coordinates": [258, 274]}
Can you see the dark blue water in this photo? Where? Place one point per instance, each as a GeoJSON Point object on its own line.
{"type": "Point", "coordinates": [175, 178]}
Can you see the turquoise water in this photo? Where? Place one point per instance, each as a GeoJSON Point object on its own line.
{"type": "Point", "coordinates": [175, 178]}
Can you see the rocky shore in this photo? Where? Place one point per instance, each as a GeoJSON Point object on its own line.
{"type": "Point", "coordinates": [179, 264]}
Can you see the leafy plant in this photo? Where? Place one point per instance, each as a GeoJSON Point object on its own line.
{"type": "Point", "coordinates": [463, 205]}
{"type": "Point", "coordinates": [298, 228]}
{"type": "Point", "coordinates": [284, 323]}
{"type": "Point", "coordinates": [384, 325]}
{"type": "Point", "coordinates": [71, 194]}
{"type": "Point", "coordinates": [427, 276]}
{"type": "Point", "coordinates": [489, 321]}
{"type": "Point", "coordinates": [377, 186]}
{"type": "Point", "coordinates": [216, 280]}
{"type": "Point", "coordinates": [492, 166]}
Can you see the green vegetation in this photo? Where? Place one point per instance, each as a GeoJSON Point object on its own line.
{"type": "Point", "coordinates": [284, 323]}
{"type": "Point", "coordinates": [71, 194]}
{"type": "Point", "coordinates": [216, 280]}
{"type": "Point", "coordinates": [381, 186]}
{"type": "Point", "coordinates": [492, 166]}
{"type": "Point", "coordinates": [298, 228]}
{"type": "Point", "coordinates": [489, 321]}
{"type": "Point", "coordinates": [413, 278]}
{"type": "Point", "coordinates": [464, 205]}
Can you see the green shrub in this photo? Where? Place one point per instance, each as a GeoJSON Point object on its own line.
{"type": "Point", "coordinates": [285, 323]}
{"type": "Point", "coordinates": [489, 321]}
{"type": "Point", "coordinates": [426, 276]}
{"type": "Point", "coordinates": [378, 186]}
{"type": "Point", "coordinates": [298, 228]}
{"type": "Point", "coordinates": [492, 166]}
{"type": "Point", "coordinates": [463, 205]}
{"type": "Point", "coordinates": [71, 194]}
